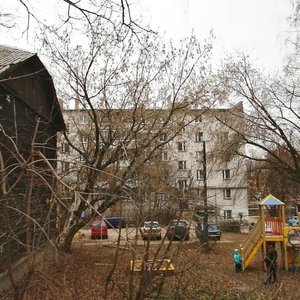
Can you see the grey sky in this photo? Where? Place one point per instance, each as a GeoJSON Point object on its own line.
{"type": "Point", "coordinates": [257, 27]}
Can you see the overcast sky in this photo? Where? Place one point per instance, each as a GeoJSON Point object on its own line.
{"type": "Point", "coordinates": [257, 27]}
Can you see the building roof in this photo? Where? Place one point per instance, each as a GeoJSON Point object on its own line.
{"type": "Point", "coordinates": [271, 200]}
{"type": "Point", "coordinates": [10, 57]}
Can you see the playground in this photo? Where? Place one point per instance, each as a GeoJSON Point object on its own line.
{"type": "Point", "coordinates": [195, 274]}
{"type": "Point", "coordinates": [272, 229]}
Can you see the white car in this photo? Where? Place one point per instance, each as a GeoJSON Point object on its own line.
{"type": "Point", "coordinates": [151, 230]}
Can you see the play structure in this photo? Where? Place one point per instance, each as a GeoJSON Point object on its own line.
{"type": "Point", "coordinates": [271, 228]}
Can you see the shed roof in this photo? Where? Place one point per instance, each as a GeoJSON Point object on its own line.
{"type": "Point", "coordinates": [10, 57]}
{"type": "Point", "coordinates": [271, 200]}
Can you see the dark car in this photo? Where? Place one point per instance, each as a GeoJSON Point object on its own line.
{"type": "Point", "coordinates": [99, 230]}
{"type": "Point", "coordinates": [178, 229]}
{"type": "Point", "coordinates": [151, 230]}
{"type": "Point", "coordinates": [212, 231]}
{"type": "Point", "coordinates": [115, 222]}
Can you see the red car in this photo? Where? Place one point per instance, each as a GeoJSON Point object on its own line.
{"type": "Point", "coordinates": [99, 230]}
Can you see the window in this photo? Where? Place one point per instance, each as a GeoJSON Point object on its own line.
{"type": "Point", "coordinates": [65, 148]}
{"type": "Point", "coordinates": [84, 140]}
{"type": "Point", "coordinates": [226, 174]}
{"type": "Point", "coordinates": [227, 193]}
{"type": "Point", "coordinates": [163, 137]}
{"type": "Point", "coordinates": [182, 165]}
{"type": "Point", "coordinates": [65, 166]}
{"type": "Point", "coordinates": [199, 155]}
{"type": "Point", "coordinates": [84, 119]}
{"type": "Point", "coordinates": [227, 214]}
{"type": "Point", "coordinates": [199, 136]}
{"type": "Point", "coordinates": [132, 183]}
{"type": "Point", "coordinates": [81, 157]}
{"type": "Point", "coordinates": [200, 175]}
{"type": "Point", "coordinates": [182, 183]}
{"type": "Point", "coordinates": [198, 119]}
{"type": "Point", "coordinates": [165, 156]}
{"type": "Point", "coordinates": [181, 146]}
{"type": "Point", "coordinates": [162, 200]}
{"type": "Point", "coordinates": [223, 137]}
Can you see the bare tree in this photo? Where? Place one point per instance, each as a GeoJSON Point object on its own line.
{"type": "Point", "coordinates": [272, 117]}
{"type": "Point", "coordinates": [125, 95]}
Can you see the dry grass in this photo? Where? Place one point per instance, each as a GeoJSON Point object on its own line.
{"type": "Point", "coordinates": [83, 275]}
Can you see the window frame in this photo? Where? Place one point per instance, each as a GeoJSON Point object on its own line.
{"type": "Point", "coordinates": [182, 183]}
{"type": "Point", "coordinates": [181, 146]}
{"type": "Point", "coordinates": [198, 118]}
{"type": "Point", "coordinates": [225, 195]}
{"type": "Point", "coordinates": [199, 137]}
{"type": "Point", "coordinates": [65, 166]}
{"type": "Point", "coordinates": [65, 147]}
{"type": "Point", "coordinates": [226, 172]}
{"type": "Point", "coordinates": [84, 119]}
{"type": "Point", "coordinates": [227, 214]}
{"type": "Point", "coordinates": [182, 165]}
{"type": "Point", "coordinates": [200, 175]}
{"type": "Point", "coordinates": [164, 156]}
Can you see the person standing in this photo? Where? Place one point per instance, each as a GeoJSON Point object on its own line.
{"type": "Point", "coordinates": [237, 260]}
{"type": "Point", "coordinates": [270, 261]}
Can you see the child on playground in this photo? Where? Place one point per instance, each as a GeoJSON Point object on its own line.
{"type": "Point", "coordinates": [237, 260]}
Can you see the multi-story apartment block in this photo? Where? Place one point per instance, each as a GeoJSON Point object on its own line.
{"type": "Point", "coordinates": [193, 151]}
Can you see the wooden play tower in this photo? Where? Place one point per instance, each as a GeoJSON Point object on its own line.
{"type": "Point", "coordinates": [270, 228]}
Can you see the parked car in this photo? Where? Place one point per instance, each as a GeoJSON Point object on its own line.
{"type": "Point", "coordinates": [150, 230]}
{"type": "Point", "coordinates": [115, 222]}
{"type": "Point", "coordinates": [178, 229]}
{"type": "Point", "coordinates": [293, 221]}
{"type": "Point", "coordinates": [212, 231]}
{"type": "Point", "coordinates": [99, 230]}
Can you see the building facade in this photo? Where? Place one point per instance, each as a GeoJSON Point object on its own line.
{"type": "Point", "coordinates": [196, 155]}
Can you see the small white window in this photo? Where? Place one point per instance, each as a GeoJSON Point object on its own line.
{"type": "Point", "coordinates": [223, 137]}
{"type": "Point", "coordinates": [181, 146]}
{"type": "Point", "coordinates": [162, 200]}
{"type": "Point", "coordinates": [163, 137]}
{"type": "Point", "coordinates": [227, 193]}
{"type": "Point", "coordinates": [182, 165]}
{"type": "Point", "coordinates": [226, 174]}
{"type": "Point", "coordinates": [85, 140]}
{"type": "Point", "coordinates": [198, 119]}
{"type": "Point", "coordinates": [84, 119]}
{"type": "Point", "coordinates": [199, 155]}
{"type": "Point", "coordinates": [199, 136]}
{"type": "Point", "coordinates": [65, 166]}
{"type": "Point", "coordinates": [200, 175]}
{"type": "Point", "coordinates": [182, 183]}
{"type": "Point", "coordinates": [227, 214]}
{"type": "Point", "coordinates": [67, 127]}
{"type": "Point", "coordinates": [65, 148]}
{"type": "Point", "coordinates": [165, 156]}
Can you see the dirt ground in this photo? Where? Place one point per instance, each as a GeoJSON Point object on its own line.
{"type": "Point", "coordinates": [100, 271]}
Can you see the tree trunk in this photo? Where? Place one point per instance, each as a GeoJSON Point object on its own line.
{"type": "Point", "coordinates": [66, 244]}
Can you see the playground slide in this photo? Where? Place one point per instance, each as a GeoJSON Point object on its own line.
{"type": "Point", "coordinates": [251, 245]}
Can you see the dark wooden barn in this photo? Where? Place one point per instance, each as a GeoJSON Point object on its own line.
{"type": "Point", "coordinates": [30, 118]}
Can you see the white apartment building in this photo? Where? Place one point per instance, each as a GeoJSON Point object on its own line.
{"type": "Point", "coordinates": [202, 137]}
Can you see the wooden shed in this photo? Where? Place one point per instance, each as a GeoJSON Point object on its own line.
{"type": "Point", "coordinates": [30, 117]}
